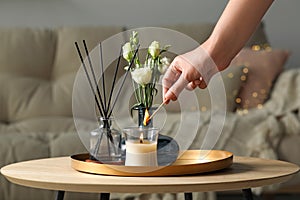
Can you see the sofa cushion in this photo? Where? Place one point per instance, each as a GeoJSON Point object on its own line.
{"type": "Point", "coordinates": [41, 138]}
{"type": "Point", "coordinates": [27, 52]}
{"type": "Point", "coordinates": [27, 97]}
{"type": "Point", "coordinates": [40, 125]}
{"type": "Point", "coordinates": [38, 68]}
{"type": "Point", "coordinates": [263, 67]}
{"type": "Point", "coordinates": [66, 59]}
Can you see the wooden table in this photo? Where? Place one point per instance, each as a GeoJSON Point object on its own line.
{"type": "Point", "coordinates": [57, 174]}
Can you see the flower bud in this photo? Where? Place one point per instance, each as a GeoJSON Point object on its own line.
{"type": "Point", "coordinates": [154, 49]}
{"type": "Point", "coordinates": [127, 51]}
{"type": "Point", "coordinates": [134, 38]}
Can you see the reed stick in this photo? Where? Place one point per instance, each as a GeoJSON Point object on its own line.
{"type": "Point", "coordinates": [123, 81]}
{"type": "Point", "coordinates": [94, 77]}
{"type": "Point", "coordinates": [88, 78]}
{"type": "Point", "coordinates": [114, 79]}
{"type": "Point", "coordinates": [103, 78]}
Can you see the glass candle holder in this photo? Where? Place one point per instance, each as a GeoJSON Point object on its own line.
{"type": "Point", "coordinates": [141, 146]}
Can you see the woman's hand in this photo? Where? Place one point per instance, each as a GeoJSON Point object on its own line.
{"type": "Point", "coordinates": [190, 70]}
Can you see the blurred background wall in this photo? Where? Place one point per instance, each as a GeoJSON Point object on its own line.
{"type": "Point", "coordinates": [281, 22]}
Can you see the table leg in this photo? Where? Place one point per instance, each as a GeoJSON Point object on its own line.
{"type": "Point", "coordinates": [188, 196]}
{"type": "Point", "coordinates": [60, 195]}
{"type": "Point", "coordinates": [247, 193]}
{"type": "Point", "coordinates": [104, 196]}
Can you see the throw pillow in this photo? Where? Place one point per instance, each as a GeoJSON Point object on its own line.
{"type": "Point", "coordinates": [262, 67]}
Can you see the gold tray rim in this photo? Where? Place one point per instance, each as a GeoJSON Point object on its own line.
{"type": "Point", "coordinates": [219, 160]}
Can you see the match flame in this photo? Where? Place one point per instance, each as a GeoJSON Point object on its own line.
{"type": "Point", "coordinates": [141, 138]}
{"type": "Point", "coordinates": [146, 118]}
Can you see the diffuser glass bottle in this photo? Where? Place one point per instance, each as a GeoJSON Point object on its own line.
{"type": "Point", "coordinates": [105, 142]}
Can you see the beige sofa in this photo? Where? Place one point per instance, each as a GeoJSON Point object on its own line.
{"type": "Point", "coordinates": [38, 67]}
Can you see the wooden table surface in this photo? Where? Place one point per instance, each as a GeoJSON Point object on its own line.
{"type": "Point", "coordinates": [57, 174]}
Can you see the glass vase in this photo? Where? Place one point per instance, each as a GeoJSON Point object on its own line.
{"type": "Point", "coordinates": [105, 142]}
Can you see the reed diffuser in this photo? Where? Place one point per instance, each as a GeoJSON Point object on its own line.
{"type": "Point", "coordinates": [105, 141]}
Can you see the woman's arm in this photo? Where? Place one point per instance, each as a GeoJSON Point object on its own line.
{"type": "Point", "coordinates": [235, 26]}
{"type": "Point", "coordinates": [195, 68]}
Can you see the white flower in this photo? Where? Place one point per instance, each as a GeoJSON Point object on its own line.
{"type": "Point", "coordinates": [165, 63]}
{"type": "Point", "coordinates": [127, 51]}
{"type": "Point", "coordinates": [154, 49]}
{"type": "Point", "coordinates": [142, 76]}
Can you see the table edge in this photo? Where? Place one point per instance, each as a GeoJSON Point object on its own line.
{"type": "Point", "coordinates": [172, 187]}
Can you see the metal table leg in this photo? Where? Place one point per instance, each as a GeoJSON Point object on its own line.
{"type": "Point", "coordinates": [104, 196]}
{"type": "Point", "coordinates": [188, 196]}
{"type": "Point", "coordinates": [247, 193]}
{"type": "Point", "coordinates": [60, 195]}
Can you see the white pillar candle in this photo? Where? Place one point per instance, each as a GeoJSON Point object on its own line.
{"type": "Point", "coordinates": [141, 153]}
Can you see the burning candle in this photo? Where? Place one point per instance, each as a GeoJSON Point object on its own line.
{"type": "Point", "coordinates": [141, 146]}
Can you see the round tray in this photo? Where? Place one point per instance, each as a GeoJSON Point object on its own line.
{"type": "Point", "coordinates": [189, 162]}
